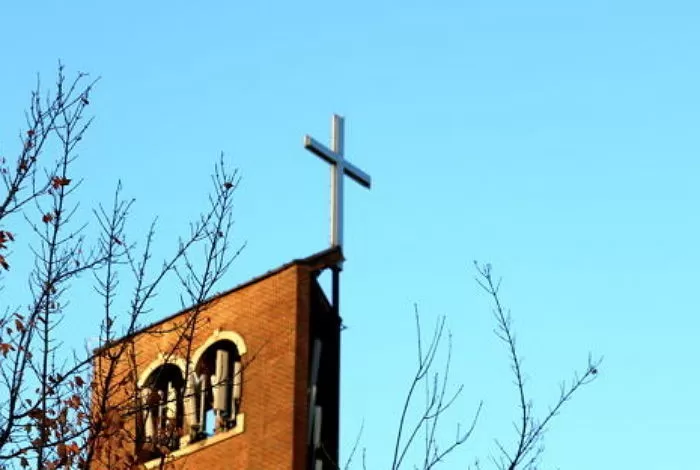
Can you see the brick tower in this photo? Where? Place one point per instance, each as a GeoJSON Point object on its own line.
{"type": "Point", "coordinates": [247, 380]}
{"type": "Point", "coordinates": [256, 392]}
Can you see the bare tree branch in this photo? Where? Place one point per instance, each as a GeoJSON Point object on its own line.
{"type": "Point", "coordinates": [530, 429]}
{"type": "Point", "coordinates": [436, 403]}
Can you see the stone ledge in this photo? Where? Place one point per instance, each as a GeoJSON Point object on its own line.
{"type": "Point", "coordinates": [199, 445]}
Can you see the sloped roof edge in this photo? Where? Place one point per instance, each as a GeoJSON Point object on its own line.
{"type": "Point", "coordinates": [318, 261]}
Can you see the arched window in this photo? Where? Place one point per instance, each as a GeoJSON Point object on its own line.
{"type": "Point", "coordinates": [213, 391]}
{"type": "Point", "coordinates": [161, 415]}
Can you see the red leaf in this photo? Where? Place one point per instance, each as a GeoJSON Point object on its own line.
{"type": "Point", "coordinates": [5, 348]}
{"type": "Point", "coordinates": [47, 218]}
{"type": "Point", "coordinates": [75, 402]}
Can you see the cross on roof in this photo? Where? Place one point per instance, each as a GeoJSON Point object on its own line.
{"type": "Point", "coordinates": [339, 167]}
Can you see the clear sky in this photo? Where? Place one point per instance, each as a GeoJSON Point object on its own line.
{"type": "Point", "coordinates": [557, 140]}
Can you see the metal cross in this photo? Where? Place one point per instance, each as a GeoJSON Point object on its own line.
{"type": "Point", "coordinates": [339, 167]}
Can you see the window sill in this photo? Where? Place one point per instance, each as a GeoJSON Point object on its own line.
{"type": "Point", "coordinates": [187, 448]}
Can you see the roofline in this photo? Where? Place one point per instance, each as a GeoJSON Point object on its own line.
{"type": "Point", "coordinates": [318, 261]}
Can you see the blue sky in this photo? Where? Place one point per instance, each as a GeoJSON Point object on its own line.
{"type": "Point", "coordinates": [556, 140]}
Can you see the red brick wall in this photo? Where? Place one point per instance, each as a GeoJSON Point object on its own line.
{"type": "Point", "coordinates": [272, 316]}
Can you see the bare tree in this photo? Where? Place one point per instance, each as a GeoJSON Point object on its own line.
{"type": "Point", "coordinates": [529, 428]}
{"type": "Point", "coordinates": [39, 192]}
{"type": "Point", "coordinates": [111, 440]}
{"type": "Point", "coordinates": [49, 417]}
{"type": "Point", "coordinates": [429, 397]}
{"type": "Point", "coordinates": [434, 407]}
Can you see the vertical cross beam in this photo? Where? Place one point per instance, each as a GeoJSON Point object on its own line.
{"type": "Point", "coordinates": [337, 146]}
{"type": "Point", "coordinates": [340, 167]}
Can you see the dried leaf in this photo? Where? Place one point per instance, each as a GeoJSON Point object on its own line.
{"type": "Point", "coordinates": [5, 348]}
{"type": "Point", "coordinates": [75, 402]}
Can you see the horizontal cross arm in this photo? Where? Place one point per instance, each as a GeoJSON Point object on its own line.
{"type": "Point", "coordinates": [358, 175]}
{"type": "Point", "coordinates": [314, 146]}
{"type": "Point", "coordinates": [333, 158]}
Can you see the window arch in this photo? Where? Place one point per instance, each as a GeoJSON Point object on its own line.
{"type": "Point", "coordinates": [213, 391]}
{"type": "Point", "coordinates": [161, 408]}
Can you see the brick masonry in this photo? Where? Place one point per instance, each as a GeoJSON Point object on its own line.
{"type": "Point", "coordinates": [276, 316]}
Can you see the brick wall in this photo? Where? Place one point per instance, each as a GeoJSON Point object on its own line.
{"type": "Point", "coordinates": [272, 316]}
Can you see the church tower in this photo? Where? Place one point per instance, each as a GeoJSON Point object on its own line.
{"type": "Point", "coordinates": [261, 387]}
{"type": "Point", "coordinates": [248, 380]}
